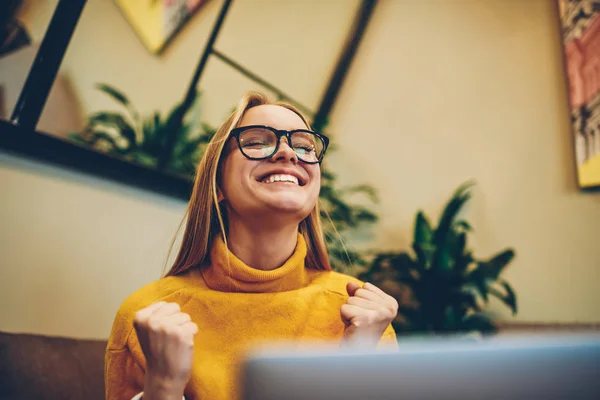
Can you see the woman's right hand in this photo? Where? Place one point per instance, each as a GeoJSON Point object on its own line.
{"type": "Point", "coordinates": [166, 336]}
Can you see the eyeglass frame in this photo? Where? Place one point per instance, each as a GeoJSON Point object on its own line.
{"type": "Point", "coordinates": [279, 133]}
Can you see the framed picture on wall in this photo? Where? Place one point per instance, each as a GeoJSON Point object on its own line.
{"type": "Point", "coordinates": [157, 22]}
{"type": "Point", "coordinates": [580, 20]}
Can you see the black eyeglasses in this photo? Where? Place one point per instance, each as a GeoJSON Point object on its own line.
{"type": "Point", "coordinates": [259, 142]}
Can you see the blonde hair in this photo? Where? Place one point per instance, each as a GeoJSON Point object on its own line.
{"type": "Point", "coordinates": [205, 219]}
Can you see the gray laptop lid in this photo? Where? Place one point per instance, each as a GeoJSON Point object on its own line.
{"type": "Point", "coordinates": [518, 367]}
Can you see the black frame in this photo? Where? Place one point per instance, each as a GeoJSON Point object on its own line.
{"type": "Point", "coordinates": [279, 133]}
{"type": "Point", "coordinates": [42, 73]}
{"type": "Point", "coordinates": [19, 135]}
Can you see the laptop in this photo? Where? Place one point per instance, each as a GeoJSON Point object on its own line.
{"type": "Point", "coordinates": [512, 367]}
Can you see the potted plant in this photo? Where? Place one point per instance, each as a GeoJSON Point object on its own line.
{"type": "Point", "coordinates": [142, 139]}
{"type": "Point", "coordinates": [441, 286]}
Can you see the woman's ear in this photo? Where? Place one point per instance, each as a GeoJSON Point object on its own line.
{"type": "Point", "coordinates": [220, 196]}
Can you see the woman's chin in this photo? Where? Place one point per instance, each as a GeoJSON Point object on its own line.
{"type": "Point", "coordinates": [287, 202]}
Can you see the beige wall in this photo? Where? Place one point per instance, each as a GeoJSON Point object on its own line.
{"type": "Point", "coordinates": [442, 91]}
{"type": "Point", "coordinates": [446, 91]}
{"type": "Point", "coordinates": [73, 246]}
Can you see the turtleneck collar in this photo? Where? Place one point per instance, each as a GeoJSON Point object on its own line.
{"type": "Point", "coordinates": [236, 276]}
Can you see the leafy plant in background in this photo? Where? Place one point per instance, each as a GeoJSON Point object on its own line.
{"type": "Point", "coordinates": [343, 217]}
{"type": "Point", "coordinates": [142, 140]}
{"type": "Point", "coordinates": [442, 287]}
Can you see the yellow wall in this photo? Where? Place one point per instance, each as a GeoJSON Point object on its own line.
{"type": "Point", "coordinates": [440, 92]}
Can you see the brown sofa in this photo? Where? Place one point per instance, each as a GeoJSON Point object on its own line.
{"type": "Point", "coordinates": [42, 367]}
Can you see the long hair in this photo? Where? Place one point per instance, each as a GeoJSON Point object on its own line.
{"type": "Point", "coordinates": [205, 219]}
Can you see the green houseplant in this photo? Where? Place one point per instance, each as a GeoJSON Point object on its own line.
{"type": "Point", "coordinates": [442, 288]}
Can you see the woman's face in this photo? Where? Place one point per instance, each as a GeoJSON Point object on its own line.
{"type": "Point", "coordinates": [245, 185]}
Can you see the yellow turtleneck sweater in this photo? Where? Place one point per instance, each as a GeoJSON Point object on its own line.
{"type": "Point", "coordinates": [235, 307]}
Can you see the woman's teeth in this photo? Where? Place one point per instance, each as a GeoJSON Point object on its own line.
{"type": "Point", "coordinates": [280, 178]}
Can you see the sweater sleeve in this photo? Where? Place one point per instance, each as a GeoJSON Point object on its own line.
{"type": "Point", "coordinates": [388, 340]}
{"type": "Point", "coordinates": [124, 377]}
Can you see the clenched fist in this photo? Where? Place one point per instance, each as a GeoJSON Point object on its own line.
{"type": "Point", "coordinates": [366, 314]}
{"type": "Point", "coordinates": [166, 336]}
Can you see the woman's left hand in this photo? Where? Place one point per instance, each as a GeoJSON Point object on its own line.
{"type": "Point", "coordinates": [367, 314]}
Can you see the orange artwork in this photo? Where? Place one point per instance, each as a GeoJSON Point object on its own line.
{"type": "Point", "coordinates": [580, 20]}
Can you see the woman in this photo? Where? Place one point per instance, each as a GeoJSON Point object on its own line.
{"type": "Point", "coordinates": [252, 268]}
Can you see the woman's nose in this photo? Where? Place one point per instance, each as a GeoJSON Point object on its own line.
{"type": "Point", "coordinates": [284, 152]}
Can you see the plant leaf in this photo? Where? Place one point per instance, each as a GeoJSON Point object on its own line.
{"type": "Point", "coordinates": [476, 279]}
{"type": "Point", "coordinates": [510, 299]}
{"type": "Point", "coordinates": [479, 323]}
{"type": "Point", "coordinates": [466, 300]}
{"type": "Point", "coordinates": [490, 270]}
{"type": "Point", "coordinates": [459, 245]}
{"type": "Point", "coordinates": [453, 207]}
{"type": "Point", "coordinates": [424, 253]}
{"type": "Point", "coordinates": [104, 137]}
{"type": "Point", "coordinates": [327, 175]}
{"type": "Point", "coordinates": [78, 138]}
{"type": "Point", "coordinates": [118, 122]}
{"type": "Point", "coordinates": [114, 93]}
{"type": "Point", "coordinates": [423, 233]}
{"type": "Point", "coordinates": [366, 189]}
{"type": "Point", "coordinates": [464, 225]}
{"type": "Point", "coordinates": [362, 214]}
{"type": "Point", "coordinates": [463, 261]}
{"type": "Point", "coordinates": [445, 228]}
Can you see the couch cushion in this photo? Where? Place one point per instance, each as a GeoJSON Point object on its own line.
{"type": "Point", "coordinates": [42, 367]}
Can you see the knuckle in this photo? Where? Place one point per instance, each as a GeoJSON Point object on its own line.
{"type": "Point", "coordinates": [154, 324]}
{"type": "Point", "coordinates": [186, 317]}
{"type": "Point", "coordinates": [180, 335]}
{"type": "Point", "coordinates": [385, 315]}
{"type": "Point", "coordinates": [139, 319]}
{"type": "Point", "coordinates": [391, 313]}
{"type": "Point", "coordinates": [189, 341]}
{"type": "Point", "coordinates": [372, 316]}
{"type": "Point", "coordinates": [168, 330]}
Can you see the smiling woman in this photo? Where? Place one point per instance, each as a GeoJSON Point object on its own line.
{"type": "Point", "coordinates": [253, 227]}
